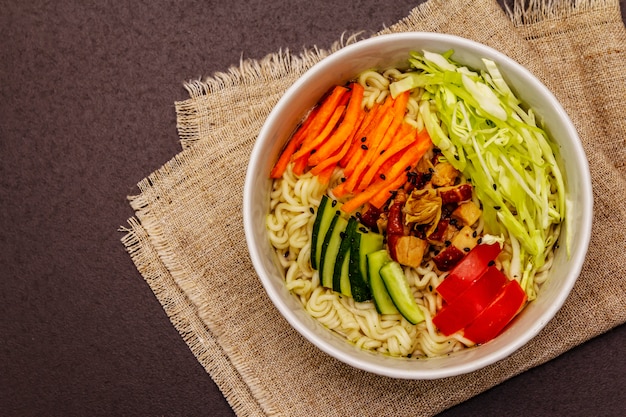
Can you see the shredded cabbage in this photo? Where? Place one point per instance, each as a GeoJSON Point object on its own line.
{"type": "Point", "coordinates": [483, 131]}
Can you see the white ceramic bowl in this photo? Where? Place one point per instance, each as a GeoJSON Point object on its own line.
{"type": "Point", "coordinates": [384, 51]}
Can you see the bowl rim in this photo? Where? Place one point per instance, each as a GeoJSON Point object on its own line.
{"type": "Point", "coordinates": [526, 335]}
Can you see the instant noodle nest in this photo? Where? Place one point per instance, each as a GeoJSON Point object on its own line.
{"type": "Point", "coordinates": [388, 51]}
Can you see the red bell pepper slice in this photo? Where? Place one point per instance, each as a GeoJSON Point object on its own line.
{"type": "Point", "coordinates": [468, 270]}
{"type": "Point", "coordinates": [466, 307]}
{"type": "Point", "coordinates": [498, 314]}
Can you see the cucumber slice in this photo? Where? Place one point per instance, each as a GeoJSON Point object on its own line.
{"type": "Point", "coordinates": [325, 212]}
{"type": "Point", "coordinates": [383, 302]}
{"type": "Point", "coordinates": [330, 249]}
{"type": "Point", "coordinates": [358, 281]}
{"type": "Point", "coordinates": [341, 278]}
{"type": "Point", "coordinates": [369, 242]}
{"type": "Point", "coordinates": [400, 292]}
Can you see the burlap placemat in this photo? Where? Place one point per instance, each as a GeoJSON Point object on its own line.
{"type": "Point", "coordinates": [187, 238]}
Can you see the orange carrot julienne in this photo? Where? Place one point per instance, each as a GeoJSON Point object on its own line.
{"type": "Point", "coordinates": [310, 146]}
{"type": "Point", "coordinates": [356, 153]}
{"type": "Point", "coordinates": [340, 190]}
{"type": "Point", "coordinates": [407, 138]}
{"type": "Point", "coordinates": [354, 177]}
{"type": "Point", "coordinates": [364, 126]}
{"type": "Point", "coordinates": [345, 129]}
{"type": "Point", "coordinates": [399, 110]}
{"type": "Point", "coordinates": [324, 176]}
{"type": "Point", "coordinates": [300, 164]}
{"type": "Point", "coordinates": [295, 141]}
{"type": "Point", "coordinates": [366, 195]}
{"type": "Point", "coordinates": [385, 193]}
{"type": "Point", "coordinates": [395, 177]}
{"type": "Point", "coordinates": [332, 160]}
{"type": "Point", "coordinates": [422, 146]}
{"type": "Point", "coordinates": [325, 111]}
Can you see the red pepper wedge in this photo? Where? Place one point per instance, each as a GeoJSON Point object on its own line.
{"type": "Point", "coordinates": [468, 270]}
{"type": "Point", "coordinates": [498, 314]}
{"type": "Point", "coordinates": [466, 307]}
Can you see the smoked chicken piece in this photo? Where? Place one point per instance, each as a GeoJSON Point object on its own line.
{"type": "Point", "coordinates": [456, 194]}
{"type": "Point", "coordinates": [463, 242]}
{"type": "Point", "coordinates": [444, 174]}
{"type": "Point", "coordinates": [467, 213]}
{"type": "Point", "coordinates": [408, 250]}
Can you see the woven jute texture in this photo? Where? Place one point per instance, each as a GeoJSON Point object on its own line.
{"type": "Point", "coordinates": [187, 236]}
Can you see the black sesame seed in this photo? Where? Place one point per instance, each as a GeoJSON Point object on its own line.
{"type": "Point", "coordinates": [382, 176]}
{"type": "Point", "coordinates": [334, 203]}
{"type": "Point", "coordinates": [363, 229]}
{"type": "Point", "coordinates": [456, 157]}
{"type": "Point", "coordinates": [491, 263]}
{"type": "Point", "coordinates": [497, 207]}
{"type": "Point", "coordinates": [343, 179]}
{"type": "Point", "coordinates": [466, 249]}
{"type": "Point", "coordinates": [312, 210]}
{"type": "Point", "coordinates": [447, 243]}
{"type": "Point", "coordinates": [495, 187]}
{"type": "Point", "coordinates": [313, 151]}
{"type": "Point", "coordinates": [363, 139]}
{"type": "Point", "coordinates": [286, 255]}
{"type": "Point", "coordinates": [364, 147]}
{"type": "Point", "coordinates": [474, 234]}
{"type": "Point", "coordinates": [480, 240]}
{"type": "Point", "coordinates": [382, 152]}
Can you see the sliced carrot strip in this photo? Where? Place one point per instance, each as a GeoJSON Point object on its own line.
{"type": "Point", "coordinates": [399, 110]}
{"type": "Point", "coordinates": [360, 133]}
{"type": "Point", "coordinates": [300, 164]}
{"type": "Point", "coordinates": [376, 188]}
{"type": "Point", "coordinates": [385, 193]}
{"type": "Point", "coordinates": [311, 145]}
{"type": "Point", "coordinates": [292, 145]}
{"type": "Point", "coordinates": [361, 146]}
{"type": "Point", "coordinates": [394, 179]}
{"type": "Point", "coordinates": [407, 138]}
{"type": "Point", "coordinates": [324, 176]}
{"type": "Point", "coordinates": [355, 176]}
{"type": "Point", "coordinates": [340, 190]}
{"type": "Point", "coordinates": [345, 129]}
{"type": "Point", "coordinates": [332, 160]}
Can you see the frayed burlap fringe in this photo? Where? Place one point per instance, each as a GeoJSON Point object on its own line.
{"type": "Point", "coordinates": [195, 114]}
{"type": "Point", "coordinates": [528, 12]}
{"type": "Point", "coordinates": [183, 303]}
{"type": "Point", "coordinates": [274, 66]}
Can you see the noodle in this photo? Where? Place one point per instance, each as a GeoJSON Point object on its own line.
{"type": "Point", "coordinates": [294, 200]}
{"type": "Point", "coordinates": [289, 228]}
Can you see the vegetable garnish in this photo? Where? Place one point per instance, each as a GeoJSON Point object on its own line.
{"type": "Point", "coordinates": [482, 130]}
{"type": "Point", "coordinates": [416, 212]}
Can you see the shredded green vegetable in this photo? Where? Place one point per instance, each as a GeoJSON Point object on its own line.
{"type": "Point", "coordinates": [483, 131]}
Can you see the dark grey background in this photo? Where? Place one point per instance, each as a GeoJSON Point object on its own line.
{"type": "Point", "coordinates": [87, 93]}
